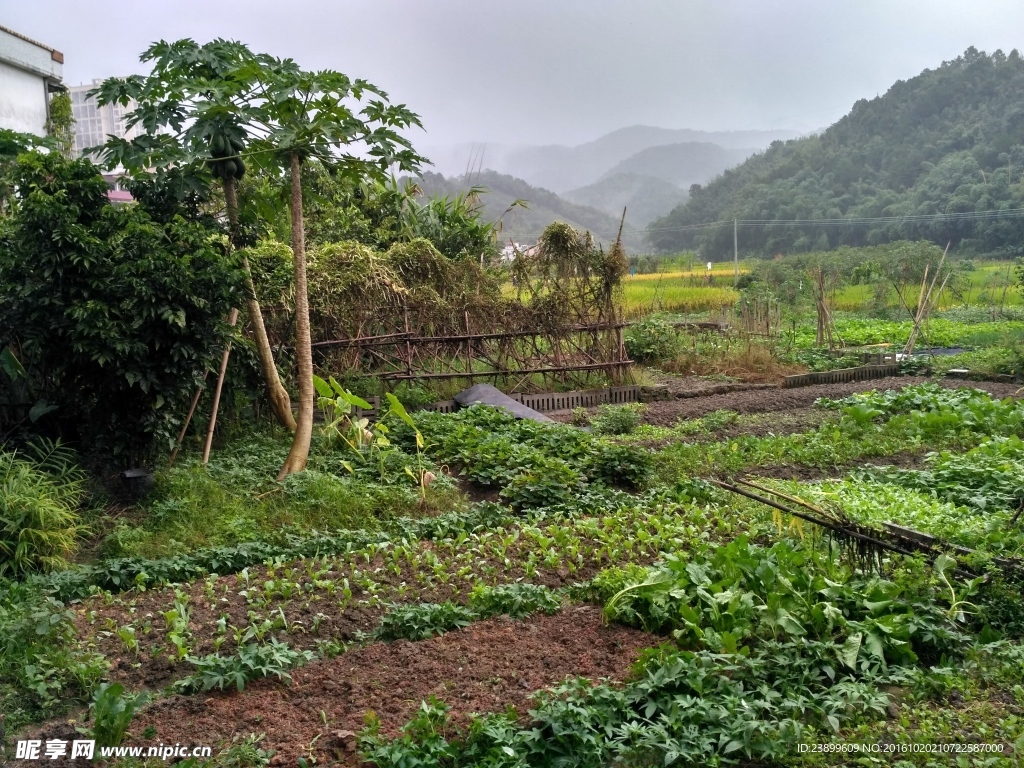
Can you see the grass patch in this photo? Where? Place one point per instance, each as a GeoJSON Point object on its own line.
{"type": "Point", "coordinates": [235, 499]}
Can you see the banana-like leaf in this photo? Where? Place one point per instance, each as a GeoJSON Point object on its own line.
{"type": "Point", "coordinates": [10, 364]}
{"type": "Point", "coordinates": [322, 387]}
{"type": "Point", "coordinates": [399, 410]}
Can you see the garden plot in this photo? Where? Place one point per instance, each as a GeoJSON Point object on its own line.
{"type": "Point", "coordinates": [332, 601]}
{"type": "Point", "coordinates": [726, 632]}
{"type": "Point", "coordinates": [669, 412]}
{"type": "Point", "coordinates": [486, 667]}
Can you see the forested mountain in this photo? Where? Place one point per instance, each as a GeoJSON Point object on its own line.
{"type": "Point", "coordinates": [950, 140]}
{"type": "Point", "coordinates": [645, 197]}
{"type": "Point", "coordinates": [542, 207]}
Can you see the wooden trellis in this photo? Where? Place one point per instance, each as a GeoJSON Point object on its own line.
{"type": "Point", "coordinates": [411, 314]}
{"type": "Point", "coordinates": [519, 354]}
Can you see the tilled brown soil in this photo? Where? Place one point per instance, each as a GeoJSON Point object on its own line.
{"type": "Point", "coordinates": [813, 474]}
{"type": "Point", "coordinates": [319, 617]}
{"type": "Point", "coordinates": [669, 412]}
{"type": "Point", "coordinates": [485, 667]}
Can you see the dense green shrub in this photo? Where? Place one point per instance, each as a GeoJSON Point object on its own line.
{"type": "Point", "coordinates": [114, 315]}
{"type": "Point", "coordinates": [617, 419]}
{"type": "Point", "coordinates": [651, 339]}
{"type": "Point", "coordinates": [41, 490]}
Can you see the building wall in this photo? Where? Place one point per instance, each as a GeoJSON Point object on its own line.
{"type": "Point", "coordinates": [23, 100]}
{"type": "Point", "coordinates": [30, 56]}
{"type": "Point", "coordinates": [27, 70]}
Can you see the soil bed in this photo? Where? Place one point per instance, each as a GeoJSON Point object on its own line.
{"type": "Point", "coordinates": [814, 474]}
{"type": "Point", "coordinates": [311, 613]}
{"type": "Point", "coordinates": [485, 667]}
{"type": "Point", "coordinates": [669, 412]}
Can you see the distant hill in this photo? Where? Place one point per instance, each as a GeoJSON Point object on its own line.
{"type": "Point", "coordinates": [561, 168]}
{"type": "Point", "coordinates": [950, 140]}
{"type": "Point", "coordinates": [682, 164]}
{"type": "Point", "coordinates": [543, 207]}
{"type": "Point", "coordinates": [645, 197]}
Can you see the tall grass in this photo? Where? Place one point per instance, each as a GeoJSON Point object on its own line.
{"type": "Point", "coordinates": [235, 499]}
{"type": "Point", "coordinates": [41, 490]}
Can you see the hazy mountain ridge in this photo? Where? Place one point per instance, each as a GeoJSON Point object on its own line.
{"type": "Point", "coordinates": [645, 197]}
{"type": "Point", "coordinates": [543, 207]}
{"type": "Point", "coordinates": [560, 167]}
{"type": "Point", "coordinates": [681, 164]}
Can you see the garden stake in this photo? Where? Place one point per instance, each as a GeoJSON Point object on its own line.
{"type": "Point", "coordinates": [216, 393]}
{"type": "Point", "coordinates": [188, 420]}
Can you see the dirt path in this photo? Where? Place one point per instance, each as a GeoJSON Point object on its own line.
{"type": "Point", "coordinates": [486, 667]}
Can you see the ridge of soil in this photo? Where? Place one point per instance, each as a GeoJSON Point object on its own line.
{"type": "Point", "coordinates": [485, 667]}
{"type": "Point", "coordinates": [764, 400]}
{"type": "Point", "coordinates": [812, 474]}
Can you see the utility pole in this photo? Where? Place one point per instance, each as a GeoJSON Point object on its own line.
{"type": "Point", "coordinates": [735, 255]}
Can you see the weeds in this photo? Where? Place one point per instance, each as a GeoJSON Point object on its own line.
{"type": "Point", "coordinates": [40, 493]}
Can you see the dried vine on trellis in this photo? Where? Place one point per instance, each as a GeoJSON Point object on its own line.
{"type": "Point", "coordinates": [410, 312]}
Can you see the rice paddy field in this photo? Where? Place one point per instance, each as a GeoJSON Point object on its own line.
{"type": "Point", "coordinates": [682, 290]}
{"type": "Point", "coordinates": [989, 284]}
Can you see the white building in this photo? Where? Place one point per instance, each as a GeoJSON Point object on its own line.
{"type": "Point", "coordinates": [513, 250]}
{"type": "Point", "coordinates": [29, 73]}
{"type": "Point", "coordinates": [93, 124]}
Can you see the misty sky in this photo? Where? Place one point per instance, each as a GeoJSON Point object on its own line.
{"type": "Point", "coordinates": [560, 71]}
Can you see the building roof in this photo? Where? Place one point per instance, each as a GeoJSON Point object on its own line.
{"type": "Point", "coordinates": [54, 53]}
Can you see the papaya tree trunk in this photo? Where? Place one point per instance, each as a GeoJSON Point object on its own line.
{"type": "Point", "coordinates": [280, 402]}
{"type": "Point", "coordinates": [299, 453]}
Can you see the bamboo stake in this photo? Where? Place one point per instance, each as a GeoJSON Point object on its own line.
{"type": "Point", "coordinates": [216, 393]}
{"type": "Point", "coordinates": [793, 499]}
{"type": "Point", "coordinates": [925, 300]}
{"type": "Point", "coordinates": [188, 420]}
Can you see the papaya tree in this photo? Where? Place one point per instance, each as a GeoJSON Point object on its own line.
{"type": "Point", "coordinates": [202, 102]}
{"type": "Point", "coordinates": [347, 125]}
{"type": "Point", "coordinates": [190, 114]}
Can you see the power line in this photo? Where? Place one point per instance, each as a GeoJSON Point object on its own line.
{"type": "Point", "coordinates": [1007, 213]}
{"type": "Point", "coordinates": [918, 218]}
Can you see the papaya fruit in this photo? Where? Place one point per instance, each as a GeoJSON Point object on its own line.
{"type": "Point", "coordinates": [218, 146]}
{"type": "Point", "coordinates": [239, 168]}
{"type": "Point", "coordinates": [228, 168]}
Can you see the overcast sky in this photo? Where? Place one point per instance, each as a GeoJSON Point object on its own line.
{"type": "Point", "coordinates": [560, 71]}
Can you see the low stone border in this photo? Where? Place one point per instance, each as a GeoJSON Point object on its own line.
{"type": "Point", "coordinates": [861, 373]}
